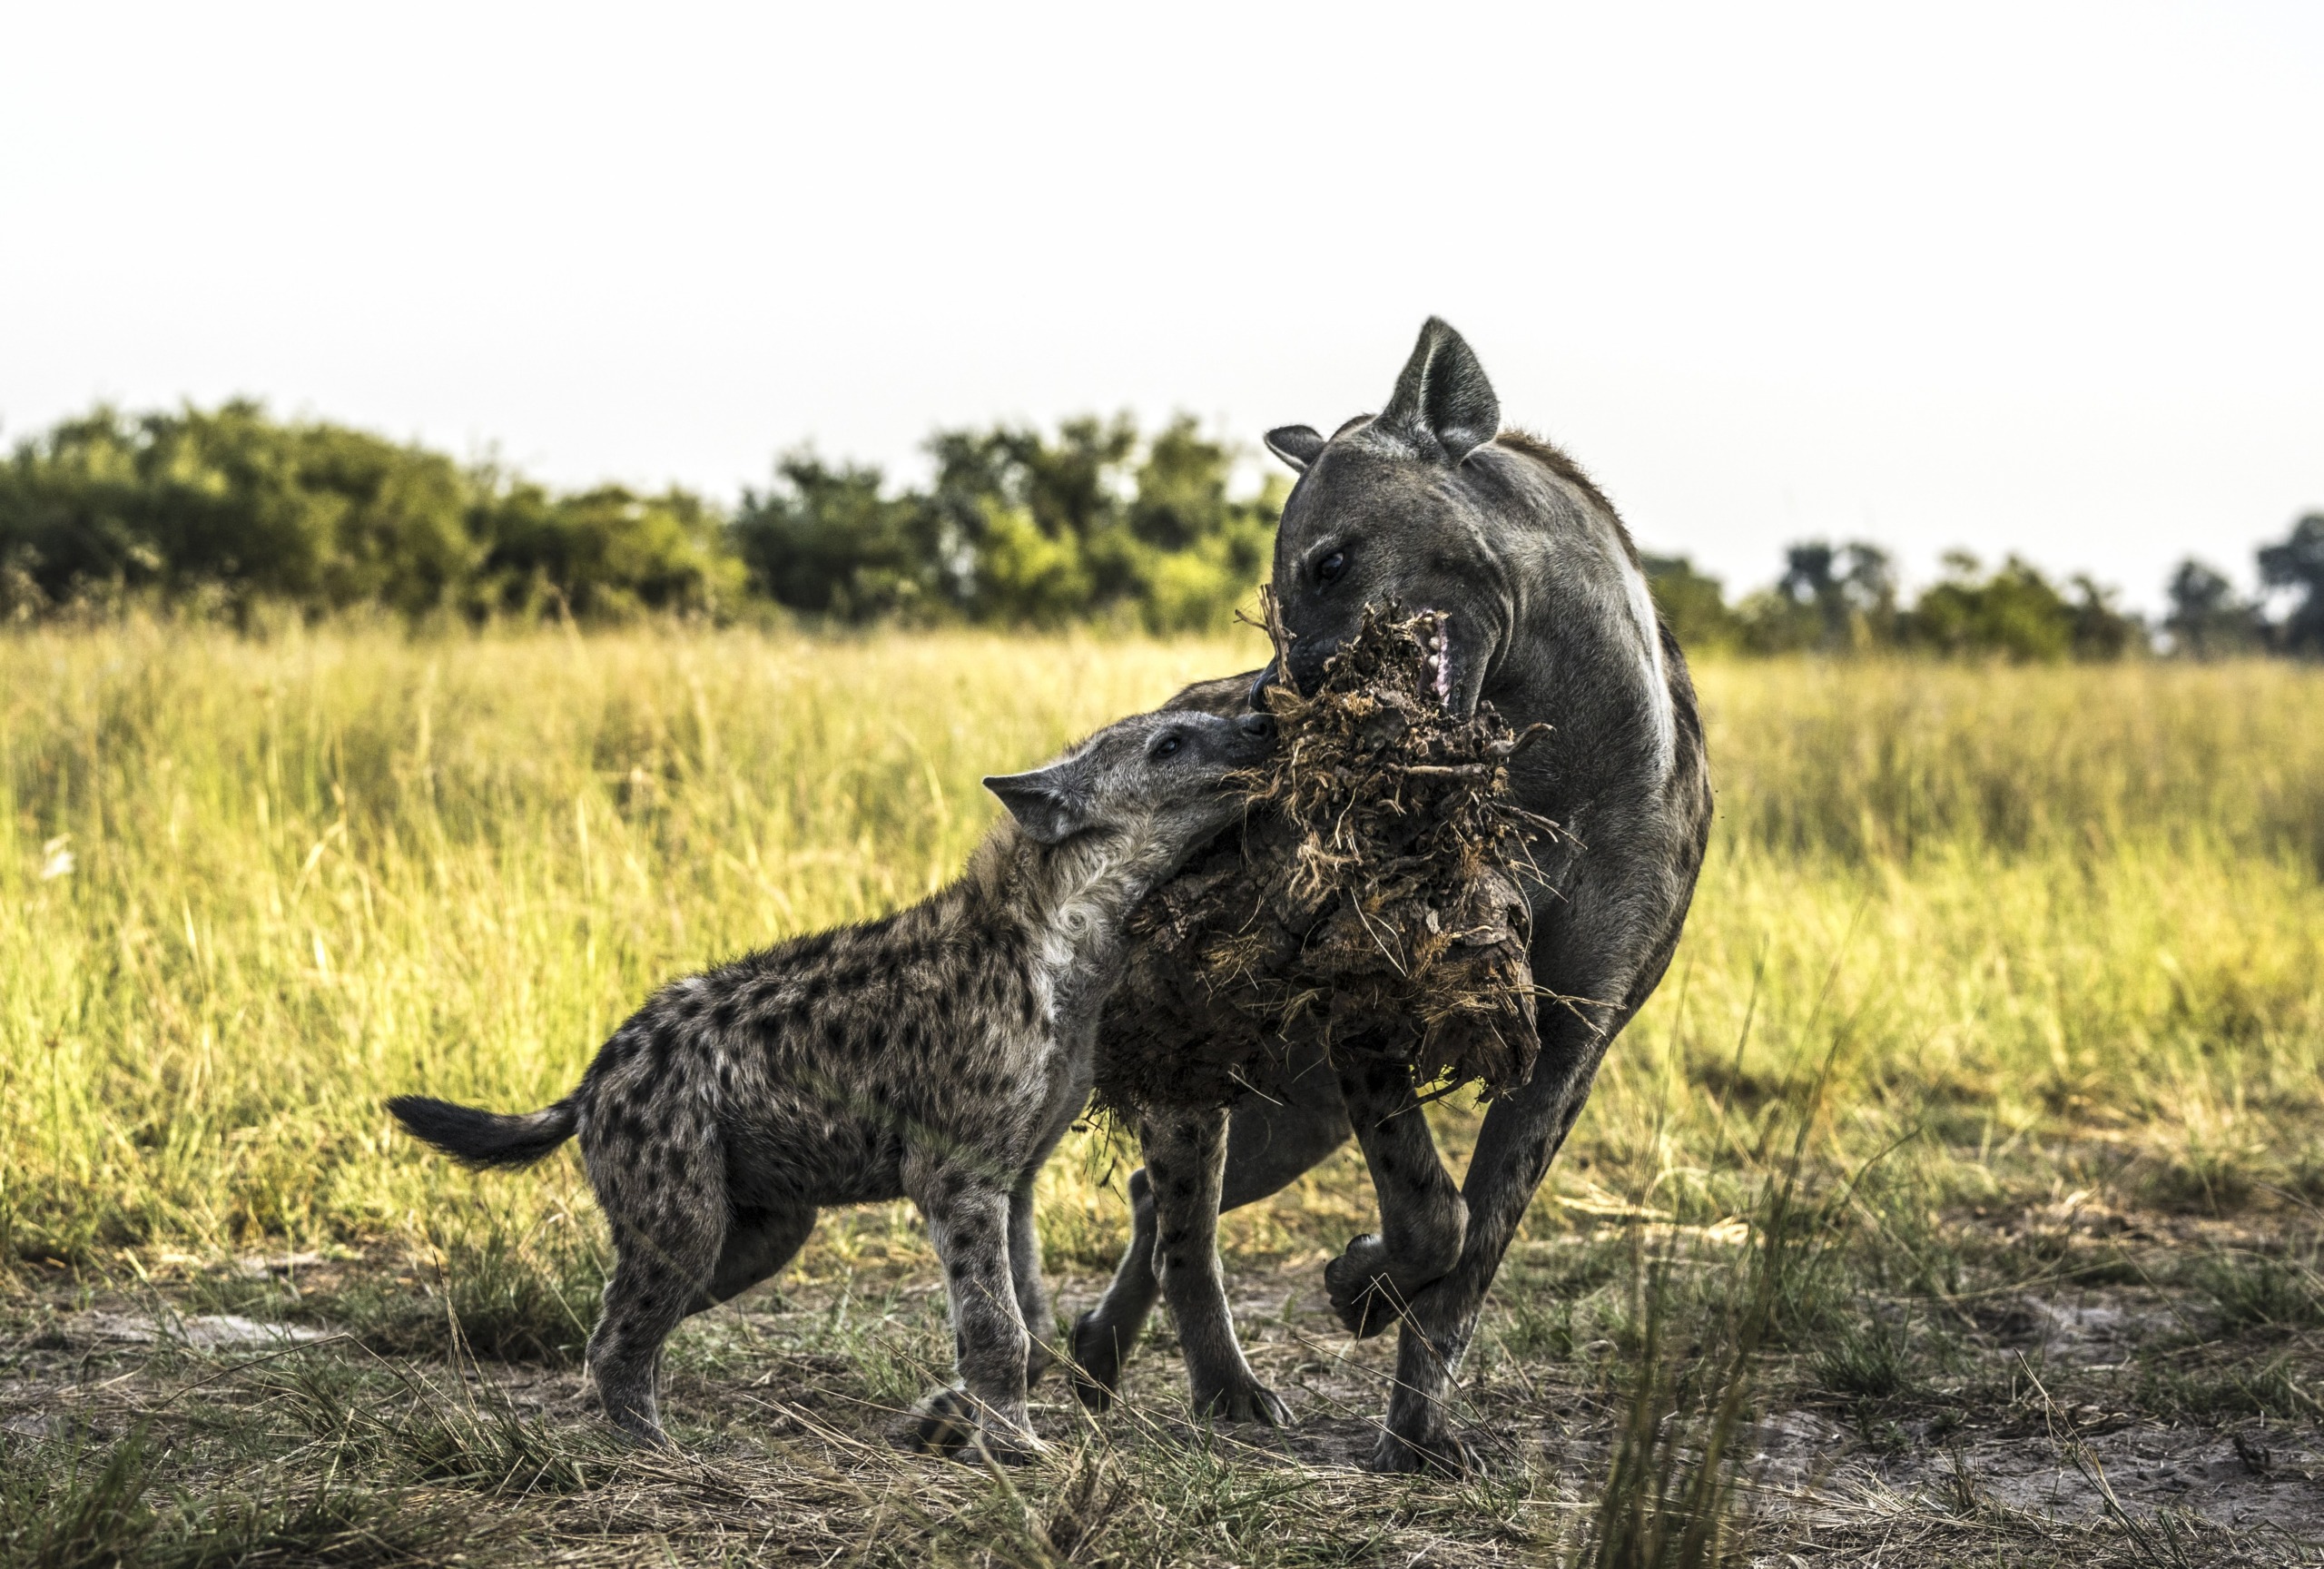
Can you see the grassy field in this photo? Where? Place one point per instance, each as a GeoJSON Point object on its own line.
{"type": "Point", "coordinates": [2026, 964]}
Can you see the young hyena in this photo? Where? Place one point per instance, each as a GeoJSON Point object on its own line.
{"type": "Point", "coordinates": [937, 1054]}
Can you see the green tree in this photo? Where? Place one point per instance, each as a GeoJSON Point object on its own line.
{"type": "Point", "coordinates": [1098, 522]}
{"type": "Point", "coordinates": [2207, 619]}
{"type": "Point", "coordinates": [828, 541]}
{"type": "Point", "coordinates": [2102, 629]}
{"type": "Point", "coordinates": [2018, 614]}
{"type": "Point", "coordinates": [1851, 591]}
{"type": "Point", "coordinates": [2298, 564]}
{"type": "Point", "coordinates": [603, 553]}
{"type": "Point", "coordinates": [991, 486]}
{"type": "Point", "coordinates": [176, 502]}
{"type": "Point", "coordinates": [1027, 575]}
{"type": "Point", "coordinates": [1197, 554]}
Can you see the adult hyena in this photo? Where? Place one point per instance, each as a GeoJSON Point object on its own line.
{"type": "Point", "coordinates": [1431, 504]}
{"type": "Point", "coordinates": [937, 1054]}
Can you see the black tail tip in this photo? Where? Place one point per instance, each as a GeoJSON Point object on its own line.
{"type": "Point", "coordinates": [422, 1112]}
{"type": "Point", "coordinates": [485, 1138]}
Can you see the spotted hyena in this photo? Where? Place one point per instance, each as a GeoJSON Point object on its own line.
{"type": "Point", "coordinates": [937, 1054]}
{"type": "Point", "coordinates": [1431, 504]}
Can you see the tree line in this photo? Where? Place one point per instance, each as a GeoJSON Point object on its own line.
{"type": "Point", "coordinates": [231, 510]}
{"type": "Point", "coordinates": [228, 509]}
{"type": "Point", "coordinates": [1844, 598]}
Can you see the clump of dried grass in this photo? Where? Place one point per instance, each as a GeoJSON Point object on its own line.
{"type": "Point", "coordinates": [1371, 903]}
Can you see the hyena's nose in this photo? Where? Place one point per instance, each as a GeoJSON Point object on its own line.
{"type": "Point", "coordinates": [1257, 727]}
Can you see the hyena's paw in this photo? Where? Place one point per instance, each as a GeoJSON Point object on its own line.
{"type": "Point", "coordinates": [1438, 1454]}
{"type": "Point", "coordinates": [1009, 1445]}
{"type": "Point", "coordinates": [1365, 1299]}
{"type": "Point", "coordinates": [1247, 1401]}
{"type": "Point", "coordinates": [1096, 1367]}
{"type": "Point", "coordinates": [633, 1422]}
{"type": "Point", "coordinates": [633, 1437]}
{"type": "Point", "coordinates": [944, 1423]}
{"type": "Point", "coordinates": [950, 1423]}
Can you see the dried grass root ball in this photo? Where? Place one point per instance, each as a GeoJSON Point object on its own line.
{"type": "Point", "coordinates": [1371, 904]}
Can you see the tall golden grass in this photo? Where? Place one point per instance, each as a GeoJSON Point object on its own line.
{"type": "Point", "coordinates": [2049, 927]}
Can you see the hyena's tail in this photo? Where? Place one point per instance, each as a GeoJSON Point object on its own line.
{"type": "Point", "coordinates": [477, 1138]}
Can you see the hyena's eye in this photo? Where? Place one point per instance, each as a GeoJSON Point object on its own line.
{"type": "Point", "coordinates": [1166, 746]}
{"type": "Point", "coordinates": [1331, 568]}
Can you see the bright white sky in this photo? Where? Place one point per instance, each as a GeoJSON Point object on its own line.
{"type": "Point", "coordinates": [2048, 277]}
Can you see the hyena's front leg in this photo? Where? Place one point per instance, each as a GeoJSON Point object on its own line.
{"type": "Point", "coordinates": [1025, 1272]}
{"type": "Point", "coordinates": [1186, 1155]}
{"type": "Point", "coordinates": [967, 1219]}
{"type": "Point", "coordinates": [1423, 1218]}
{"type": "Point", "coordinates": [1521, 1133]}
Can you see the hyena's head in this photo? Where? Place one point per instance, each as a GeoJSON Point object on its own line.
{"type": "Point", "coordinates": [1163, 782]}
{"type": "Point", "coordinates": [1409, 506]}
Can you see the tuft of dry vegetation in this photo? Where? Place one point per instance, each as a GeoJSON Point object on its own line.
{"type": "Point", "coordinates": [1369, 902]}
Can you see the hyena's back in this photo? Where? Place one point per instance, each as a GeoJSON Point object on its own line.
{"type": "Point", "coordinates": [822, 1065]}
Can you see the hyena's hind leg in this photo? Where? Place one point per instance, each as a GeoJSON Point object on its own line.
{"type": "Point", "coordinates": [1269, 1144]}
{"type": "Point", "coordinates": [668, 1210]}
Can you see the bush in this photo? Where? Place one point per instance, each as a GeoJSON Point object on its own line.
{"type": "Point", "coordinates": [2017, 613]}
{"type": "Point", "coordinates": [825, 542]}
{"type": "Point", "coordinates": [1692, 603]}
{"type": "Point", "coordinates": [1018, 529]}
{"type": "Point", "coordinates": [604, 553]}
{"type": "Point", "coordinates": [231, 500]}
{"type": "Point", "coordinates": [234, 507]}
{"type": "Point", "coordinates": [232, 504]}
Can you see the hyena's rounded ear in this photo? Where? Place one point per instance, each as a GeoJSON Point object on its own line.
{"type": "Point", "coordinates": [1296, 445]}
{"type": "Point", "coordinates": [1442, 400]}
{"type": "Point", "coordinates": [1047, 802]}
